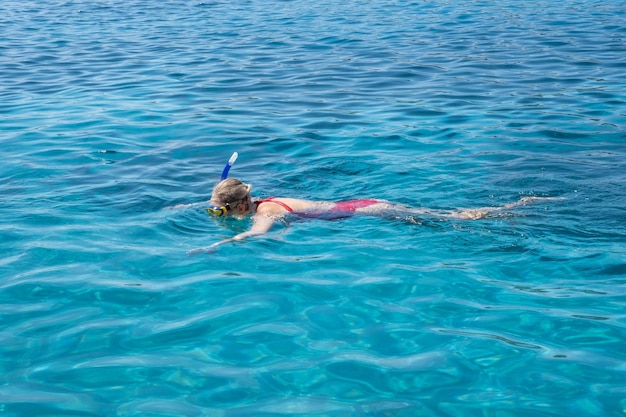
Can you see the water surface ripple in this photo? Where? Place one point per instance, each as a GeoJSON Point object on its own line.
{"type": "Point", "coordinates": [112, 112]}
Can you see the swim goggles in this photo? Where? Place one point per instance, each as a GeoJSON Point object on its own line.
{"type": "Point", "coordinates": [221, 211]}
{"type": "Point", "coordinates": [218, 211]}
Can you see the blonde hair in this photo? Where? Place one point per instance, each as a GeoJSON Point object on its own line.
{"type": "Point", "coordinates": [229, 191]}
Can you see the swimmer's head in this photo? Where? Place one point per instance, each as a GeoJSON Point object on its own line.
{"type": "Point", "coordinates": [230, 196]}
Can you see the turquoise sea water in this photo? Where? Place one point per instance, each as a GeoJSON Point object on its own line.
{"type": "Point", "coordinates": [111, 112]}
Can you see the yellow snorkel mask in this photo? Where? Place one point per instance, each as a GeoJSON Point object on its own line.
{"type": "Point", "coordinates": [221, 211]}
{"type": "Point", "coordinates": [218, 211]}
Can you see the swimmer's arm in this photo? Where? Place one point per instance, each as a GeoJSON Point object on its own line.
{"type": "Point", "coordinates": [184, 206]}
{"type": "Point", "coordinates": [261, 225]}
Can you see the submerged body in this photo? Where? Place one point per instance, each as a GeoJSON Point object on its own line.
{"type": "Point", "coordinates": [232, 197]}
{"type": "Point", "coordinates": [321, 209]}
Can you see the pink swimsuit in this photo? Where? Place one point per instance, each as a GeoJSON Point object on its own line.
{"type": "Point", "coordinates": [271, 200]}
{"type": "Point", "coordinates": [351, 206]}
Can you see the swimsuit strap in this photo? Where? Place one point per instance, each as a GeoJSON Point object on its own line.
{"type": "Point", "coordinates": [271, 200]}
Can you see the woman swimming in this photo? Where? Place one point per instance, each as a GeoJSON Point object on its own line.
{"type": "Point", "coordinates": [232, 197]}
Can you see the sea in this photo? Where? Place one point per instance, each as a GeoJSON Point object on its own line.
{"type": "Point", "coordinates": [117, 118]}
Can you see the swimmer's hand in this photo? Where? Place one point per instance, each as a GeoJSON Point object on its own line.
{"type": "Point", "coordinates": [182, 206]}
{"type": "Point", "coordinates": [207, 250]}
{"type": "Point", "coordinates": [211, 248]}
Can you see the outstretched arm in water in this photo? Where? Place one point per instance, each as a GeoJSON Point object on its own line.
{"type": "Point", "coordinates": [261, 224]}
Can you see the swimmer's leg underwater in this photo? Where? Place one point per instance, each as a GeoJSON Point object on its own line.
{"type": "Point", "coordinates": [388, 209]}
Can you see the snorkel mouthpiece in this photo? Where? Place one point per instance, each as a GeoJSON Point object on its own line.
{"type": "Point", "coordinates": [229, 164]}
